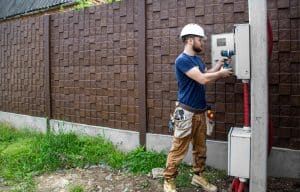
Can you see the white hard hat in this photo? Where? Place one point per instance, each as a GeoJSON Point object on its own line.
{"type": "Point", "coordinates": [192, 29]}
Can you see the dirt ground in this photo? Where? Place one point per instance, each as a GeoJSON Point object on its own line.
{"type": "Point", "coordinates": [103, 179]}
{"type": "Point", "coordinates": [96, 178]}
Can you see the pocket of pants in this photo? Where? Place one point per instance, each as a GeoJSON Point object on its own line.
{"type": "Point", "coordinates": [182, 125]}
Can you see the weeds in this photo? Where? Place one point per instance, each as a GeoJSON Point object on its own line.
{"type": "Point", "coordinates": [212, 175]}
{"type": "Point", "coordinates": [141, 161]}
{"type": "Point", "coordinates": [185, 176]}
{"type": "Point", "coordinates": [24, 154]}
{"type": "Point", "coordinates": [76, 188]}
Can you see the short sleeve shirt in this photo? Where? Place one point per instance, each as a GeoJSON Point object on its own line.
{"type": "Point", "coordinates": [190, 92]}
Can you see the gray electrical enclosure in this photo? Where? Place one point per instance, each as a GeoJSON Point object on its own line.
{"type": "Point", "coordinates": [239, 152]}
{"type": "Point", "coordinates": [242, 51]}
{"type": "Point", "coordinates": [239, 42]}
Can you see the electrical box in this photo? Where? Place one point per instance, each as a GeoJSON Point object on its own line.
{"type": "Point", "coordinates": [239, 142]}
{"type": "Point", "coordinates": [238, 43]}
{"type": "Point", "coordinates": [242, 51]}
{"type": "Point", "coordinates": [220, 42]}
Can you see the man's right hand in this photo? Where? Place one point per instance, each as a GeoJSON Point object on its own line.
{"type": "Point", "coordinates": [225, 72]}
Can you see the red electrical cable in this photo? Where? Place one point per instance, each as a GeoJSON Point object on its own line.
{"type": "Point", "coordinates": [246, 105]}
{"type": "Point", "coordinates": [241, 187]}
{"type": "Point", "coordinates": [235, 184]}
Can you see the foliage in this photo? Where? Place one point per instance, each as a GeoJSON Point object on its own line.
{"type": "Point", "coordinates": [185, 176]}
{"type": "Point", "coordinates": [83, 4]}
{"type": "Point", "coordinates": [213, 175]}
{"type": "Point", "coordinates": [24, 154]}
{"type": "Point", "coordinates": [111, 1]}
{"type": "Point", "coordinates": [76, 188]}
{"type": "Point", "coordinates": [141, 161]}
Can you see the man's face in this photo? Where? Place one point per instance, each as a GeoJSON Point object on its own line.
{"type": "Point", "coordinates": [198, 44]}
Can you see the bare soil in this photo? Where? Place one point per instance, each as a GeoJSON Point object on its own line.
{"type": "Point", "coordinates": [102, 179]}
{"type": "Point", "coordinates": [96, 178]}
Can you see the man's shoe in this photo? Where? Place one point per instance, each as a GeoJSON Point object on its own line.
{"type": "Point", "coordinates": [202, 182]}
{"type": "Point", "coordinates": [169, 185]}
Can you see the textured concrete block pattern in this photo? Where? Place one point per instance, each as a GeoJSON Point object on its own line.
{"type": "Point", "coordinates": [22, 67]}
{"type": "Point", "coordinates": [94, 66]}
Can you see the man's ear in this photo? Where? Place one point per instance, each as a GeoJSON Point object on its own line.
{"type": "Point", "coordinates": [190, 40]}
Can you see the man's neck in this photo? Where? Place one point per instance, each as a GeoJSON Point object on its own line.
{"type": "Point", "coordinates": [189, 51]}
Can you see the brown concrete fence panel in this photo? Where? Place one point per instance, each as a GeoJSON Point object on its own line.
{"type": "Point", "coordinates": [94, 66]}
{"type": "Point", "coordinates": [22, 67]}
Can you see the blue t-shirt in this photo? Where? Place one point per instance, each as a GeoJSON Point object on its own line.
{"type": "Point", "coordinates": [190, 92]}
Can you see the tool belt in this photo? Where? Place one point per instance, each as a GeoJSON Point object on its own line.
{"type": "Point", "coordinates": [190, 109]}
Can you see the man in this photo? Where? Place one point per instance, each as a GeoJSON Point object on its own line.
{"type": "Point", "coordinates": [189, 115]}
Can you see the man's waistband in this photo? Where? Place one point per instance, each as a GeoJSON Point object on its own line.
{"type": "Point", "coordinates": [190, 109]}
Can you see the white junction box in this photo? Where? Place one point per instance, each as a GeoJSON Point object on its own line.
{"type": "Point", "coordinates": [242, 51]}
{"type": "Point", "coordinates": [220, 42]}
{"type": "Point", "coordinates": [239, 142]}
{"type": "Point", "coordinates": [239, 43]}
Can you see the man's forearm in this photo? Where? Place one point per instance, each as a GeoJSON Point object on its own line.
{"type": "Point", "coordinates": [214, 69]}
{"type": "Point", "coordinates": [211, 76]}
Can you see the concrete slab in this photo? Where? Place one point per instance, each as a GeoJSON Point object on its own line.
{"type": "Point", "coordinates": [216, 150]}
{"type": "Point", "coordinates": [24, 121]}
{"type": "Point", "coordinates": [284, 163]}
{"type": "Point", "coordinates": [123, 139]}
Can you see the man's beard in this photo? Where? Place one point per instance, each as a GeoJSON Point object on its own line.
{"type": "Point", "coordinates": [196, 49]}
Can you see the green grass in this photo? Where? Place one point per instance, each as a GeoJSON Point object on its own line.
{"type": "Point", "coordinates": [24, 154]}
{"type": "Point", "coordinates": [141, 161]}
{"type": "Point", "coordinates": [185, 175]}
{"type": "Point", "coordinates": [76, 188]}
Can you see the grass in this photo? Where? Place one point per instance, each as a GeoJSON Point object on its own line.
{"type": "Point", "coordinates": [141, 161]}
{"type": "Point", "coordinates": [24, 154]}
{"type": "Point", "coordinates": [76, 188]}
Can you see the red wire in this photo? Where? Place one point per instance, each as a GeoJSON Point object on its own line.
{"type": "Point", "coordinates": [246, 105]}
{"type": "Point", "coordinates": [241, 187]}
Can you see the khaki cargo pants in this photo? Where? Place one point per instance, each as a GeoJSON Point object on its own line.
{"type": "Point", "coordinates": [180, 145]}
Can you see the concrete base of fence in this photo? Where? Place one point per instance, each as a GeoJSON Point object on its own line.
{"type": "Point", "coordinates": [24, 121]}
{"type": "Point", "coordinates": [216, 150]}
{"type": "Point", "coordinates": [123, 139]}
{"type": "Point", "coordinates": [281, 162]}
{"type": "Point", "coordinates": [284, 163]}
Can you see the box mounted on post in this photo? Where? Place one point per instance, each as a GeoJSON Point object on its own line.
{"type": "Point", "coordinates": [235, 46]}
{"type": "Point", "coordinates": [239, 141]}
